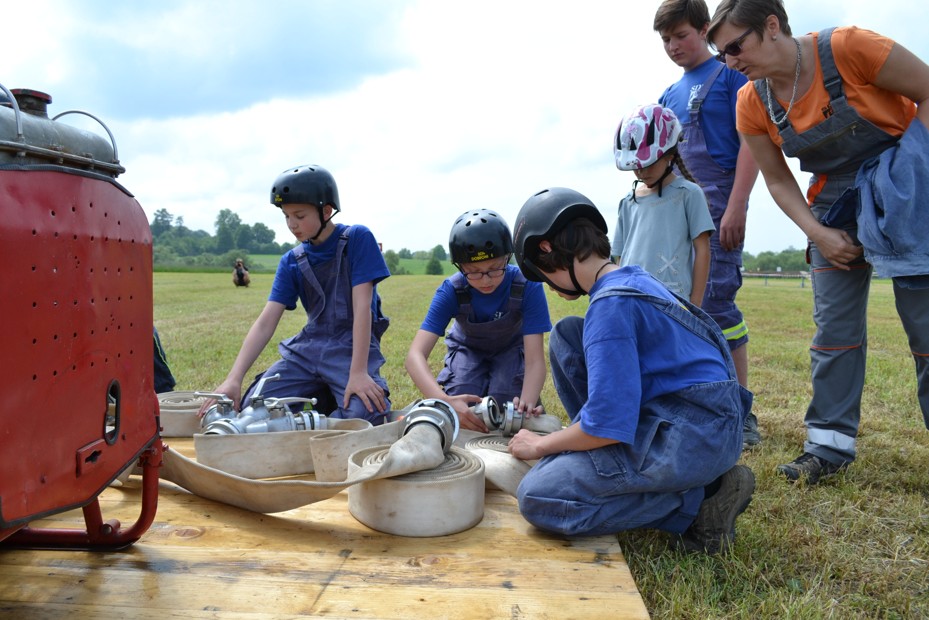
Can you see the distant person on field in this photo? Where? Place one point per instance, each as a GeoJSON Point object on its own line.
{"type": "Point", "coordinates": [333, 272]}
{"type": "Point", "coordinates": [648, 382]}
{"type": "Point", "coordinates": [704, 100]}
{"type": "Point", "coordinates": [240, 275]}
{"type": "Point", "coordinates": [663, 225]}
{"type": "Point", "coordinates": [495, 345]}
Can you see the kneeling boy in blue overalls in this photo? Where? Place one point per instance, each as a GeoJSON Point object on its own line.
{"type": "Point", "coordinates": [333, 272]}
{"type": "Point", "coordinates": [649, 384]}
{"type": "Point", "coordinates": [495, 347]}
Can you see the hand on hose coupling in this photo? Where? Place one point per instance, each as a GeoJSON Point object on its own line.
{"type": "Point", "coordinates": [524, 408]}
{"type": "Point", "coordinates": [462, 403]}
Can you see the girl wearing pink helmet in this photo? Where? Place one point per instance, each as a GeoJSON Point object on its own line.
{"type": "Point", "coordinates": [664, 223]}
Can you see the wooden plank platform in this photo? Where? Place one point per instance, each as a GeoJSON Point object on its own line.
{"type": "Point", "coordinates": [202, 559]}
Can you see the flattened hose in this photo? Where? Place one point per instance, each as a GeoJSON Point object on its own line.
{"type": "Point", "coordinates": [400, 483]}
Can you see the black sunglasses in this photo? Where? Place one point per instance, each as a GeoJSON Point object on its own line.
{"type": "Point", "coordinates": [733, 48]}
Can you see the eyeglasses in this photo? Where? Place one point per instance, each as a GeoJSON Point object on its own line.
{"type": "Point", "coordinates": [474, 276]}
{"type": "Point", "coordinates": [733, 48]}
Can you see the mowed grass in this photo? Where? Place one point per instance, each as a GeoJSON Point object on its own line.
{"type": "Point", "coordinates": [413, 266]}
{"type": "Point", "coordinates": [853, 547]}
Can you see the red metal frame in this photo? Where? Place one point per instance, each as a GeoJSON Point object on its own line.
{"type": "Point", "coordinates": [99, 534]}
{"type": "Point", "coordinates": [77, 350]}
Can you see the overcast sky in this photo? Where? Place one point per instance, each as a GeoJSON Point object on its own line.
{"type": "Point", "coordinates": [421, 109]}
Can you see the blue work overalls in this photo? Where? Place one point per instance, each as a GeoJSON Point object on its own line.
{"type": "Point", "coordinates": [488, 358]}
{"type": "Point", "coordinates": [725, 276]}
{"type": "Point", "coordinates": [683, 441]}
{"type": "Point", "coordinates": [319, 358]}
{"type": "Point", "coordinates": [836, 148]}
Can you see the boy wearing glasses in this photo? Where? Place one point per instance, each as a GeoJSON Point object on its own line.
{"type": "Point", "coordinates": [704, 100]}
{"type": "Point", "coordinates": [495, 346]}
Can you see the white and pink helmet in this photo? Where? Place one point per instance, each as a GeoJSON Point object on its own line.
{"type": "Point", "coordinates": [645, 135]}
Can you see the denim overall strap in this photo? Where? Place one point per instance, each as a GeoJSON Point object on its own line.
{"type": "Point", "coordinates": [317, 296]}
{"type": "Point", "coordinates": [715, 181]}
{"type": "Point", "coordinates": [841, 142]}
{"type": "Point", "coordinates": [697, 102]}
{"type": "Point", "coordinates": [692, 145]}
{"type": "Point", "coordinates": [489, 336]}
{"type": "Point", "coordinates": [687, 314]}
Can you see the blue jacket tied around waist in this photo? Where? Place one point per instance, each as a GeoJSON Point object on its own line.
{"type": "Point", "coordinates": [893, 220]}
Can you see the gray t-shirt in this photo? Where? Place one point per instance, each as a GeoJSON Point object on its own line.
{"type": "Point", "coordinates": [657, 233]}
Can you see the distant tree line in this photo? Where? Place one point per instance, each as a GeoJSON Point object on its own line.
{"type": "Point", "coordinates": [786, 261]}
{"type": "Point", "coordinates": [176, 245]}
{"type": "Point", "coordinates": [434, 258]}
{"type": "Point", "coordinates": [790, 260]}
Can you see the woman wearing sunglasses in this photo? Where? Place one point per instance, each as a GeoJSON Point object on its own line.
{"type": "Point", "coordinates": [834, 100]}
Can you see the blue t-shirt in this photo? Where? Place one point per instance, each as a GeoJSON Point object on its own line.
{"type": "Point", "coordinates": [634, 353]}
{"type": "Point", "coordinates": [486, 308]}
{"type": "Point", "coordinates": [363, 253]}
{"type": "Point", "coordinates": [717, 115]}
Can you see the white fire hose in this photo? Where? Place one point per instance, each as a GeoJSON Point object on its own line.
{"type": "Point", "coordinates": [179, 413]}
{"type": "Point", "coordinates": [418, 476]}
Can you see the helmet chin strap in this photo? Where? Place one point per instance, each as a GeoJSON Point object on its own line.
{"type": "Point", "coordinates": [577, 285]}
{"type": "Point", "coordinates": [661, 179]}
{"type": "Point", "coordinates": [322, 224]}
{"type": "Point", "coordinates": [579, 290]}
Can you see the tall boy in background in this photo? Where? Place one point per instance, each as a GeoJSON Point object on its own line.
{"type": "Point", "coordinates": [704, 100]}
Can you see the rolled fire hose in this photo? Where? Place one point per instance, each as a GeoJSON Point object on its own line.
{"type": "Point", "coordinates": [445, 499]}
{"type": "Point", "coordinates": [411, 488]}
{"type": "Point", "coordinates": [179, 413]}
{"type": "Point", "coordinates": [502, 470]}
{"type": "Point", "coordinates": [419, 453]}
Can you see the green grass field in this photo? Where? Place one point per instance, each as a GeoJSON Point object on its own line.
{"type": "Point", "coordinates": [853, 547]}
{"type": "Point", "coordinates": [263, 262]}
{"type": "Point", "coordinates": [414, 266]}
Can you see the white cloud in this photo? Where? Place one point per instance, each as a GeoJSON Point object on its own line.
{"type": "Point", "coordinates": [500, 100]}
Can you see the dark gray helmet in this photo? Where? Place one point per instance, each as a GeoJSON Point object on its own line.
{"type": "Point", "coordinates": [311, 185]}
{"type": "Point", "coordinates": [479, 234]}
{"type": "Point", "coordinates": [543, 216]}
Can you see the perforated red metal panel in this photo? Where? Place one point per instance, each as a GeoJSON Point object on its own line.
{"type": "Point", "coordinates": [76, 308]}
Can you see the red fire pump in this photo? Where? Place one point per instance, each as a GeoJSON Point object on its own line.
{"type": "Point", "coordinates": [79, 404]}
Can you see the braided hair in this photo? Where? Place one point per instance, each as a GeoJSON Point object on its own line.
{"type": "Point", "coordinates": [676, 162]}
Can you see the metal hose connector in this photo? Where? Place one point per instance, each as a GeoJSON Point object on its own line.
{"type": "Point", "coordinates": [439, 414]}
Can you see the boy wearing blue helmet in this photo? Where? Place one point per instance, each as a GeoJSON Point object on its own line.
{"type": "Point", "coordinates": [333, 271]}
{"type": "Point", "coordinates": [495, 346]}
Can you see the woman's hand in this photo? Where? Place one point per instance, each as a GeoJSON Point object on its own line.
{"type": "Point", "coordinates": [836, 246]}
